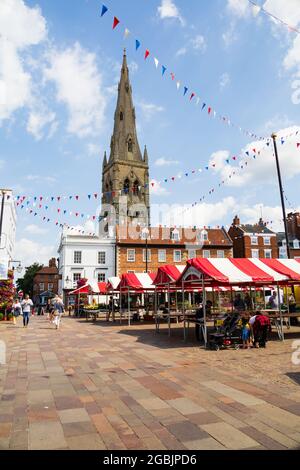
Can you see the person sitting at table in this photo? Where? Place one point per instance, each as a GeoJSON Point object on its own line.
{"type": "Point", "coordinates": [200, 318]}
{"type": "Point", "coordinates": [238, 303]}
{"type": "Point", "coordinates": [248, 301]}
{"type": "Point", "coordinates": [261, 328]}
{"type": "Point", "coordinates": [273, 301]}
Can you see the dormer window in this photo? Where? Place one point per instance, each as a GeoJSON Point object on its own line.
{"type": "Point", "coordinates": [130, 145]}
{"type": "Point", "coordinates": [203, 236]}
{"type": "Point", "coordinates": [175, 235]}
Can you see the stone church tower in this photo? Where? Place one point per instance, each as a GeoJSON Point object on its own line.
{"type": "Point", "coordinates": [125, 175]}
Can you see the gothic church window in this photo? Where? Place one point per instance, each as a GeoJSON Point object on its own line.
{"type": "Point", "coordinates": [130, 145]}
{"type": "Point", "coordinates": [126, 185]}
{"type": "Point", "coordinates": [121, 116]}
{"type": "Point", "coordinates": [136, 188]}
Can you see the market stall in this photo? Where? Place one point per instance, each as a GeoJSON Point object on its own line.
{"type": "Point", "coordinates": [133, 283]}
{"type": "Point", "coordinates": [230, 272]}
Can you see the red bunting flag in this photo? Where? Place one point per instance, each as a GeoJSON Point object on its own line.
{"type": "Point", "coordinates": [58, 198]}
{"type": "Point", "coordinates": [152, 184]}
{"type": "Point", "coordinates": [173, 178]}
{"type": "Point", "coordinates": [95, 195]}
{"type": "Point", "coordinates": [172, 76]}
{"type": "Point", "coordinates": [209, 110]}
{"type": "Point", "coordinates": [298, 145]}
{"type": "Point", "coordinates": [115, 23]}
{"type": "Point", "coordinates": [192, 96]}
{"type": "Point", "coordinates": [233, 158]}
{"type": "Point", "coordinates": [147, 53]}
{"type": "Point", "coordinates": [254, 150]}
{"type": "Point", "coordinates": [77, 197]}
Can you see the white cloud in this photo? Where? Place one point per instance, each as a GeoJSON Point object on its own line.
{"type": "Point", "coordinates": [168, 9]}
{"type": "Point", "coordinates": [35, 230]}
{"type": "Point", "coordinates": [93, 149]}
{"type": "Point", "coordinates": [224, 81]}
{"type": "Point", "coordinates": [41, 178]}
{"type": "Point", "coordinates": [203, 214]}
{"type": "Point", "coordinates": [28, 252]}
{"type": "Point", "coordinates": [277, 122]}
{"type": "Point", "coordinates": [239, 8]}
{"type": "Point", "coordinates": [181, 51]}
{"type": "Point", "coordinates": [198, 43]}
{"type": "Point", "coordinates": [262, 170]}
{"type": "Point", "coordinates": [149, 109]}
{"type": "Point", "coordinates": [165, 162]}
{"type": "Point", "coordinates": [230, 36]}
{"type": "Point", "coordinates": [287, 11]}
{"type": "Point", "coordinates": [37, 121]}
{"type": "Point", "coordinates": [79, 86]}
{"type": "Point", "coordinates": [21, 27]}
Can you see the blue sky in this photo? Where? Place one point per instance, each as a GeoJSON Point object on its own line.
{"type": "Point", "coordinates": [61, 63]}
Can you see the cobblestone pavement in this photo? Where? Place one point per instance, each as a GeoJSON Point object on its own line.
{"type": "Point", "coordinates": [100, 386]}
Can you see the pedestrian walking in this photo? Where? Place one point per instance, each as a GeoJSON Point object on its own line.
{"type": "Point", "coordinates": [59, 309]}
{"type": "Point", "coordinates": [49, 310]}
{"type": "Point", "coordinates": [16, 310]}
{"type": "Point", "coordinates": [27, 305]}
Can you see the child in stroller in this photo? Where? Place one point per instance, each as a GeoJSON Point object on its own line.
{"type": "Point", "coordinates": [228, 335]}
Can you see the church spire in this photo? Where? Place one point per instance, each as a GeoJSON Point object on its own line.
{"type": "Point", "coordinates": [124, 142]}
{"type": "Point", "coordinates": [125, 176]}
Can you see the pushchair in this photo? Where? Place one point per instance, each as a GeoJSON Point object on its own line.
{"type": "Point", "coordinates": [228, 334]}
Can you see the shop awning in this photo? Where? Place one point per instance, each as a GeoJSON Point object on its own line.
{"type": "Point", "coordinates": [92, 287]}
{"type": "Point", "coordinates": [241, 271]}
{"type": "Point", "coordinates": [137, 281]}
{"type": "Point", "coordinates": [168, 273]}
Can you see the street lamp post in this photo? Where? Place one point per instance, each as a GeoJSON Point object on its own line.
{"type": "Point", "coordinates": [274, 136]}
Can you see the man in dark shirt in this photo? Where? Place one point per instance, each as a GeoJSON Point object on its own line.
{"type": "Point", "coordinates": [239, 304]}
{"type": "Point", "coordinates": [200, 317]}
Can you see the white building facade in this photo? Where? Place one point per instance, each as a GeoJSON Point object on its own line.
{"type": "Point", "coordinates": [8, 224]}
{"type": "Point", "coordinates": [84, 256]}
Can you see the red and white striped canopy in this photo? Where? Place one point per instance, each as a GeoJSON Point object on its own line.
{"type": "Point", "coordinates": [92, 287]}
{"type": "Point", "coordinates": [168, 273]}
{"type": "Point", "coordinates": [113, 283]}
{"type": "Point", "coordinates": [137, 281]}
{"type": "Point", "coordinates": [239, 271]}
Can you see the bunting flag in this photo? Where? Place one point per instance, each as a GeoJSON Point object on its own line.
{"type": "Point", "coordinates": [126, 33]}
{"type": "Point", "coordinates": [104, 10]}
{"type": "Point", "coordinates": [156, 62]}
{"type": "Point", "coordinates": [137, 44]}
{"type": "Point", "coordinates": [115, 22]}
{"type": "Point", "coordinates": [147, 53]}
{"type": "Point", "coordinates": [163, 69]}
{"type": "Point", "coordinates": [185, 91]}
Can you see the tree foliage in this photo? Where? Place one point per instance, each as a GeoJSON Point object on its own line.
{"type": "Point", "coordinates": [26, 283]}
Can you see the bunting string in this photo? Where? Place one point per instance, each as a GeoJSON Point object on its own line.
{"type": "Point", "coordinates": [250, 154]}
{"type": "Point", "coordinates": [257, 9]}
{"type": "Point", "coordinates": [187, 91]}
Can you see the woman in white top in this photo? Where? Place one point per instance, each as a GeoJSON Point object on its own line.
{"type": "Point", "coordinates": [16, 310]}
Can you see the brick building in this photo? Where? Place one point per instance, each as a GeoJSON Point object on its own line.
{"type": "Point", "coordinates": [293, 226]}
{"type": "Point", "coordinates": [167, 246]}
{"type": "Point", "coordinates": [253, 241]}
{"type": "Point", "coordinates": [45, 281]}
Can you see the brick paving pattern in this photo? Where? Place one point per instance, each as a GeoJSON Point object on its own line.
{"type": "Point", "coordinates": [106, 386]}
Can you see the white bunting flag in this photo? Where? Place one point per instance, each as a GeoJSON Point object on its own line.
{"type": "Point", "coordinates": [126, 33]}
{"type": "Point", "coordinates": [178, 85]}
{"type": "Point", "coordinates": [156, 62]}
